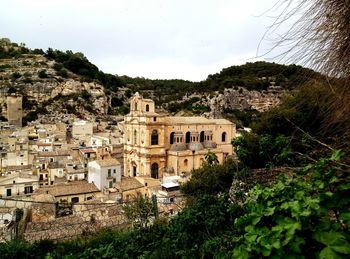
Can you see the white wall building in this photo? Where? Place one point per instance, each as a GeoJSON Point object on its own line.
{"type": "Point", "coordinates": [99, 141]}
{"type": "Point", "coordinates": [104, 173]}
{"type": "Point", "coordinates": [15, 184]}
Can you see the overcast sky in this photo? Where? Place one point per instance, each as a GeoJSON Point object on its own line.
{"type": "Point", "coordinates": [184, 39]}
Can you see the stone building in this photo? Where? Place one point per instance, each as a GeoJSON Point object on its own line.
{"type": "Point", "coordinates": [18, 184]}
{"type": "Point", "coordinates": [14, 110]}
{"type": "Point", "coordinates": [79, 191]}
{"type": "Point", "coordinates": [157, 145]}
{"type": "Point", "coordinates": [104, 173]}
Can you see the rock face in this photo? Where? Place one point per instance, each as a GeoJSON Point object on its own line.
{"type": "Point", "coordinates": [239, 98]}
{"type": "Point", "coordinates": [35, 78]}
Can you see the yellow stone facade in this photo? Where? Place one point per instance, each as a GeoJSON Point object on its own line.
{"type": "Point", "coordinates": [158, 145]}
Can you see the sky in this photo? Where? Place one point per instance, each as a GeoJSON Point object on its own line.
{"type": "Point", "coordinates": [157, 39]}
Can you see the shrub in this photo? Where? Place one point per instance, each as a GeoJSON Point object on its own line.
{"type": "Point", "coordinates": [42, 74]}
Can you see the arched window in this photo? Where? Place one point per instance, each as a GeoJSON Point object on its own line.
{"type": "Point", "coordinates": [135, 137]}
{"type": "Point", "coordinates": [154, 137]}
{"type": "Point", "coordinates": [147, 107]}
{"type": "Point", "coordinates": [134, 169]}
{"type": "Point", "coordinates": [185, 162]}
{"type": "Point", "coordinates": [136, 106]}
{"type": "Point", "coordinates": [201, 136]}
{"type": "Point", "coordinates": [188, 137]}
{"type": "Point", "coordinates": [154, 170]}
{"type": "Point", "coordinates": [129, 135]}
{"type": "Point", "coordinates": [223, 137]}
{"type": "Point", "coordinates": [172, 138]}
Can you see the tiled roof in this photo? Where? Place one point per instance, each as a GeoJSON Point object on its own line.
{"type": "Point", "coordinates": [54, 153]}
{"type": "Point", "coordinates": [87, 150]}
{"type": "Point", "coordinates": [128, 183]}
{"type": "Point", "coordinates": [18, 167]}
{"type": "Point", "coordinates": [108, 162]}
{"type": "Point", "coordinates": [74, 188]}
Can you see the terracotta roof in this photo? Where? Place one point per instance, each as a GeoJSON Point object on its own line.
{"type": "Point", "coordinates": [108, 162]}
{"type": "Point", "coordinates": [18, 167]}
{"type": "Point", "coordinates": [43, 144]}
{"type": "Point", "coordinates": [78, 187]}
{"type": "Point", "coordinates": [54, 153]}
{"type": "Point", "coordinates": [87, 150]}
{"type": "Point", "coordinates": [128, 183]}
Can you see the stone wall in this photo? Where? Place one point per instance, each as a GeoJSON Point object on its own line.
{"type": "Point", "coordinates": [86, 219]}
{"type": "Point", "coordinates": [6, 223]}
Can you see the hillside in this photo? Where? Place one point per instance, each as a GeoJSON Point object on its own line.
{"type": "Point", "coordinates": [66, 85]}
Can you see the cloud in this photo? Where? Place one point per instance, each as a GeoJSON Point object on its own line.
{"type": "Point", "coordinates": [154, 38]}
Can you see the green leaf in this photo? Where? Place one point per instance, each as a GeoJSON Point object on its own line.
{"type": "Point", "coordinates": [276, 244]}
{"type": "Point", "coordinates": [250, 237]}
{"type": "Point", "coordinates": [334, 240]}
{"type": "Point", "coordinates": [269, 211]}
{"type": "Point", "coordinates": [295, 245]}
{"type": "Point", "coordinates": [344, 187]}
{"type": "Point", "coordinates": [328, 253]}
{"type": "Point", "coordinates": [256, 220]}
{"type": "Point", "coordinates": [300, 195]}
{"type": "Point", "coordinates": [345, 217]}
{"type": "Point", "coordinates": [337, 155]}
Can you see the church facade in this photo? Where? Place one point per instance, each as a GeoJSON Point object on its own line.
{"type": "Point", "coordinates": [157, 145]}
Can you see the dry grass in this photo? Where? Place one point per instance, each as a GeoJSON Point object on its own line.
{"type": "Point", "coordinates": [320, 38]}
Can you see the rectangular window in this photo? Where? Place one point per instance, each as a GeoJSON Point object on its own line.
{"type": "Point", "coordinates": [109, 172]}
{"type": "Point", "coordinates": [110, 184]}
{"type": "Point", "coordinates": [8, 192]}
{"type": "Point", "coordinates": [28, 189]}
{"type": "Point", "coordinates": [114, 171]}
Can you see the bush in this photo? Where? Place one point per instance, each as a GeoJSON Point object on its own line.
{"type": "Point", "coordinates": [15, 75]}
{"type": "Point", "coordinates": [42, 74]}
{"type": "Point", "coordinates": [63, 73]}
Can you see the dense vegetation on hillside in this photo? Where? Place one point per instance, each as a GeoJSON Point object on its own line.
{"type": "Point", "coordinates": [253, 76]}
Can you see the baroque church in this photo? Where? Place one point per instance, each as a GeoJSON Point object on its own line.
{"type": "Point", "coordinates": [157, 145]}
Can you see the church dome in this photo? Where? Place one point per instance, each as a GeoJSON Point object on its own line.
{"type": "Point", "coordinates": [195, 146]}
{"type": "Point", "coordinates": [178, 147]}
{"type": "Point", "coordinates": [209, 144]}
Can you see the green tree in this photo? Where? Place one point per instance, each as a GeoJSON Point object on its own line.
{"type": "Point", "coordinates": [140, 211]}
{"type": "Point", "coordinates": [209, 180]}
{"type": "Point", "coordinates": [211, 158]}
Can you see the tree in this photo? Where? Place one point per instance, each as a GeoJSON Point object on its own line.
{"type": "Point", "coordinates": [209, 180]}
{"type": "Point", "coordinates": [211, 158]}
{"type": "Point", "coordinates": [140, 211]}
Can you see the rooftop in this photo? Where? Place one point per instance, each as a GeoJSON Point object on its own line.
{"type": "Point", "coordinates": [73, 188]}
{"type": "Point", "coordinates": [87, 150]}
{"type": "Point", "coordinates": [54, 153]}
{"type": "Point", "coordinates": [195, 120]}
{"type": "Point", "coordinates": [128, 183]}
{"type": "Point", "coordinates": [107, 162]}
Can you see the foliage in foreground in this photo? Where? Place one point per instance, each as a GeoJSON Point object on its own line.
{"type": "Point", "coordinates": [305, 216]}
